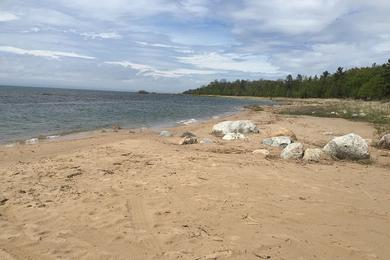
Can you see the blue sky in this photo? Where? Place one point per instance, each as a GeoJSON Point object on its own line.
{"type": "Point", "coordinates": [173, 45]}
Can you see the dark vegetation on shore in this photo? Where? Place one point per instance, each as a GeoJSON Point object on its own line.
{"type": "Point", "coordinates": [359, 83]}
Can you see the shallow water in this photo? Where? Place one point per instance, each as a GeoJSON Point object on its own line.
{"type": "Point", "coordinates": [31, 112]}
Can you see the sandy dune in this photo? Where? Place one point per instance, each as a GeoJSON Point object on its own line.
{"type": "Point", "coordinates": [140, 196]}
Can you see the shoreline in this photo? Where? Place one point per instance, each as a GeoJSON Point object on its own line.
{"type": "Point", "coordinates": [139, 194]}
{"type": "Point", "coordinates": [60, 136]}
{"type": "Point", "coordinates": [77, 135]}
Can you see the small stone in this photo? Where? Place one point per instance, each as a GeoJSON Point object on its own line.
{"type": "Point", "coordinates": [282, 132]}
{"type": "Point", "coordinates": [165, 134]}
{"type": "Point", "coordinates": [384, 142]}
{"type": "Point", "coordinates": [278, 141]}
{"type": "Point", "coordinates": [313, 155]}
{"type": "Point", "coordinates": [292, 151]}
{"type": "Point", "coordinates": [187, 134]}
{"type": "Point", "coordinates": [233, 136]}
{"type": "Point", "coordinates": [188, 140]}
{"type": "Point", "coordinates": [3, 200]}
{"type": "Point", "coordinates": [116, 127]}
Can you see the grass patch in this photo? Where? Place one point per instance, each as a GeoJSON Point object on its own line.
{"type": "Point", "coordinates": [377, 113]}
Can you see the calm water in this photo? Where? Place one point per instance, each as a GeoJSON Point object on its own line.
{"type": "Point", "coordinates": [30, 112]}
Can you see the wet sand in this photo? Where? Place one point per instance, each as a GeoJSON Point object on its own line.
{"type": "Point", "coordinates": [121, 195]}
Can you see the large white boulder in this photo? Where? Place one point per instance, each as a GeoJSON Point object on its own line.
{"type": "Point", "coordinates": [278, 141]}
{"type": "Point", "coordinates": [350, 146]}
{"type": "Point", "coordinates": [233, 136]}
{"type": "Point", "coordinates": [241, 126]}
{"type": "Point", "coordinates": [384, 142]}
{"type": "Point", "coordinates": [292, 151]}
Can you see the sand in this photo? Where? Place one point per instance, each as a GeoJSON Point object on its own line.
{"type": "Point", "coordinates": [121, 195]}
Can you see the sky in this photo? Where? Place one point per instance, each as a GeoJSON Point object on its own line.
{"type": "Point", "coordinates": [175, 45]}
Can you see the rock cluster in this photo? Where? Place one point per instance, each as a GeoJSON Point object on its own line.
{"type": "Point", "coordinates": [233, 136]}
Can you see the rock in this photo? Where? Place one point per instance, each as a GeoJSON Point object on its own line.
{"type": "Point", "coordinates": [241, 126]}
{"type": "Point", "coordinates": [206, 141]}
{"type": "Point", "coordinates": [262, 152]}
{"type": "Point", "coordinates": [116, 127]}
{"type": "Point", "coordinates": [187, 134]}
{"type": "Point", "coordinates": [233, 136]}
{"type": "Point", "coordinates": [188, 140]}
{"type": "Point", "coordinates": [278, 141]}
{"type": "Point", "coordinates": [165, 134]}
{"type": "Point", "coordinates": [313, 155]}
{"type": "Point", "coordinates": [283, 132]}
{"type": "Point", "coordinates": [384, 142]}
{"type": "Point", "coordinates": [32, 141]}
{"type": "Point", "coordinates": [292, 151]}
{"type": "Point", "coordinates": [3, 200]}
{"type": "Point", "coordinates": [350, 146]}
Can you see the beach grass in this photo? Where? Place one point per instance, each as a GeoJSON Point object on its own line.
{"type": "Point", "coordinates": [377, 113]}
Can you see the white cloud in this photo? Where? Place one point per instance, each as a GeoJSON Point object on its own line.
{"type": "Point", "coordinates": [230, 62]}
{"type": "Point", "coordinates": [43, 53]}
{"type": "Point", "coordinates": [146, 70]}
{"type": "Point", "coordinates": [159, 45]}
{"type": "Point", "coordinates": [290, 17]}
{"type": "Point", "coordinates": [103, 35]}
{"type": "Point", "coordinates": [6, 17]}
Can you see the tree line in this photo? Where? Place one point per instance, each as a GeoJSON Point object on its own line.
{"type": "Point", "coordinates": [359, 83]}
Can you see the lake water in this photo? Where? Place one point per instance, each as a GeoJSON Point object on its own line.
{"type": "Point", "coordinates": [31, 112]}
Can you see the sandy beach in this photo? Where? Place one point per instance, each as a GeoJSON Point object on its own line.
{"type": "Point", "coordinates": [122, 195]}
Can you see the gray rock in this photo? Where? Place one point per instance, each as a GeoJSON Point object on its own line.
{"type": "Point", "coordinates": [292, 151]}
{"type": "Point", "coordinates": [313, 155]}
{"type": "Point", "coordinates": [241, 126]}
{"type": "Point", "coordinates": [188, 140]}
{"type": "Point", "coordinates": [233, 136]}
{"type": "Point", "coordinates": [278, 141]}
{"type": "Point", "coordinates": [165, 134]}
{"type": "Point", "coordinates": [350, 146]}
{"type": "Point", "coordinates": [116, 127]}
{"type": "Point", "coordinates": [384, 142]}
{"type": "Point", "coordinates": [187, 134]}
